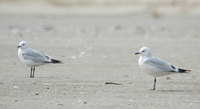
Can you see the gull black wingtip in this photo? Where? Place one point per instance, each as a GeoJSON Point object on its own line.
{"type": "Point", "coordinates": [54, 61]}
{"type": "Point", "coordinates": [183, 70]}
{"type": "Point", "coordinates": [137, 53]}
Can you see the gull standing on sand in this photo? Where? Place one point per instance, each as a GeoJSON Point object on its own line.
{"type": "Point", "coordinates": [155, 66]}
{"type": "Point", "coordinates": [33, 58]}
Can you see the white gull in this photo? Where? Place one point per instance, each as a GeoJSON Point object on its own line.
{"type": "Point", "coordinates": [33, 58]}
{"type": "Point", "coordinates": [155, 66]}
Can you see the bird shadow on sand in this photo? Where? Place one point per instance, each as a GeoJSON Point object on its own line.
{"type": "Point", "coordinates": [43, 77]}
{"type": "Point", "coordinates": [176, 91]}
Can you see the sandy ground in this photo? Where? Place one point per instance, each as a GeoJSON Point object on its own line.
{"type": "Point", "coordinates": [96, 50]}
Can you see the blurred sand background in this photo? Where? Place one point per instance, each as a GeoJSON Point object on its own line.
{"type": "Point", "coordinates": [96, 40]}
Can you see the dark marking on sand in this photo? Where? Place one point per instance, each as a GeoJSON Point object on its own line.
{"type": "Point", "coordinates": [113, 83]}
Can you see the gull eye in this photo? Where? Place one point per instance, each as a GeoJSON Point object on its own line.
{"type": "Point", "coordinates": [23, 44]}
{"type": "Point", "coordinates": [143, 51]}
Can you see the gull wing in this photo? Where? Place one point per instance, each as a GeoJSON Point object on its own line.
{"type": "Point", "coordinates": [160, 64]}
{"type": "Point", "coordinates": [35, 56]}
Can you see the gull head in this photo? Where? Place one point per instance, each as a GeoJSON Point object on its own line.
{"type": "Point", "coordinates": [23, 45]}
{"type": "Point", "coordinates": [144, 51]}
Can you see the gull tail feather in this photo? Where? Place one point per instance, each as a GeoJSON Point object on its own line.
{"type": "Point", "coordinates": [183, 70]}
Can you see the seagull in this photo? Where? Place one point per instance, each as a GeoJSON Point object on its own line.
{"type": "Point", "coordinates": [155, 66]}
{"type": "Point", "coordinates": [33, 58]}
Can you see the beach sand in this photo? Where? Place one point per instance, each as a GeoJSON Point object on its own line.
{"type": "Point", "coordinates": [95, 50]}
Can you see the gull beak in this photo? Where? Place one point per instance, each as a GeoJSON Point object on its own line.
{"type": "Point", "coordinates": [18, 46]}
{"type": "Point", "coordinates": [137, 53]}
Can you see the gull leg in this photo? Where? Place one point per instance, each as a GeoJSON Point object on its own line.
{"type": "Point", "coordinates": [33, 71]}
{"type": "Point", "coordinates": [154, 86]}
